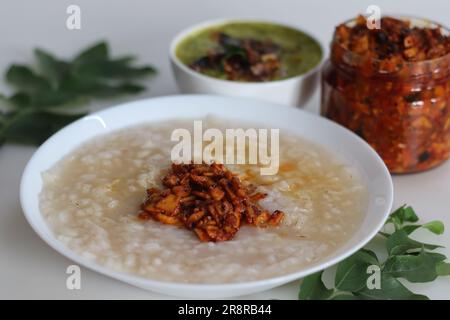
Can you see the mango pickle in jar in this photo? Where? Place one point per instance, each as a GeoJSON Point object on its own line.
{"type": "Point", "coordinates": [391, 86]}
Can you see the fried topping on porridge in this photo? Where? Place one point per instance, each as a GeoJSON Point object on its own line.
{"type": "Point", "coordinates": [208, 199]}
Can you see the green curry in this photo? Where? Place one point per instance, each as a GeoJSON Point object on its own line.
{"type": "Point", "coordinates": [298, 52]}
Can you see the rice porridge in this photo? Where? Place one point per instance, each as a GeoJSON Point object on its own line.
{"type": "Point", "coordinates": [91, 199]}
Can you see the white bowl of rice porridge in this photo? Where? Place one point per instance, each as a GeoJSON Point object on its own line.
{"type": "Point", "coordinates": [84, 187]}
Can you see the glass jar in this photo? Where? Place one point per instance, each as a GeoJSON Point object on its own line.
{"type": "Point", "coordinates": [402, 112]}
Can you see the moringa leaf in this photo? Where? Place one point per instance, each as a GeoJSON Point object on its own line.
{"type": "Point", "coordinates": [437, 227]}
{"type": "Point", "coordinates": [399, 243]}
{"type": "Point", "coordinates": [390, 289]}
{"type": "Point", "coordinates": [443, 268]}
{"type": "Point", "coordinates": [407, 258]}
{"type": "Point", "coordinates": [408, 214]}
{"type": "Point", "coordinates": [351, 274]}
{"type": "Point", "coordinates": [414, 268]}
{"type": "Point", "coordinates": [312, 288]}
{"type": "Point", "coordinates": [402, 215]}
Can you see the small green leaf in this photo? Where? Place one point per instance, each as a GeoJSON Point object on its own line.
{"type": "Point", "coordinates": [312, 288]}
{"type": "Point", "coordinates": [34, 127]}
{"type": "Point", "coordinates": [390, 289]}
{"type": "Point", "coordinates": [402, 215]}
{"type": "Point", "coordinates": [409, 215]}
{"type": "Point", "coordinates": [98, 52]}
{"type": "Point", "coordinates": [411, 228]}
{"type": "Point", "coordinates": [48, 99]}
{"type": "Point", "coordinates": [351, 274]}
{"type": "Point", "coordinates": [443, 268]}
{"type": "Point", "coordinates": [20, 100]}
{"type": "Point", "coordinates": [414, 268]}
{"type": "Point", "coordinates": [399, 243]}
{"type": "Point", "coordinates": [112, 69]}
{"type": "Point", "coordinates": [436, 256]}
{"type": "Point", "coordinates": [25, 79]}
{"type": "Point", "coordinates": [437, 227]}
{"type": "Point", "coordinates": [52, 68]}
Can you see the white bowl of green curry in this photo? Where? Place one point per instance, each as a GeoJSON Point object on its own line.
{"type": "Point", "coordinates": [247, 58]}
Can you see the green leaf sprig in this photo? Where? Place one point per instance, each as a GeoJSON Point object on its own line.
{"type": "Point", "coordinates": [409, 259]}
{"type": "Point", "coordinates": [51, 96]}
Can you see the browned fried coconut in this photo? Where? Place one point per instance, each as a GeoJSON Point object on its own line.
{"type": "Point", "coordinates": [208, 199]}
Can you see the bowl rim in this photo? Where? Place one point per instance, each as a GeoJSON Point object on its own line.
{"type": "Point", "coordinates": [30, 211]}
{"type": "Point", "coordinates": [217, 22]}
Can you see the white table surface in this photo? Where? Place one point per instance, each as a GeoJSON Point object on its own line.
{"type": "Point", "coordinates": [31, 269]}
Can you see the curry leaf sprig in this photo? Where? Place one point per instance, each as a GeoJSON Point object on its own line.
{"type": "Point", "coordinates": [53, 94]}
{"type": "Point", "coordinates": [408, 259]}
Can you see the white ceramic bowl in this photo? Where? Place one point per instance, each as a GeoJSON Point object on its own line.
{"type": "Point", "coordinates": [294, 91]}
{"type": "Point", "coordinates": [312, 127]}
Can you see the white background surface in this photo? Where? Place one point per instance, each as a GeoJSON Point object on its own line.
{"type": "Point", "coordinates": [31, 269]}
